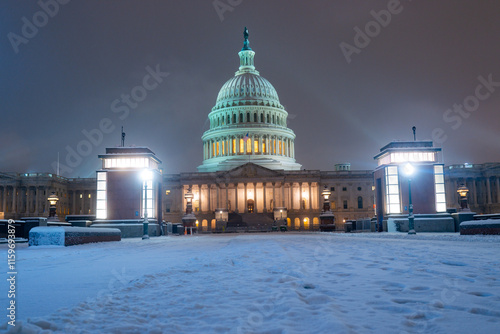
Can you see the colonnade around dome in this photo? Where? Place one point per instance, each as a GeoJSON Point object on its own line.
{"type": "Point", "coordinates": [255, 145]}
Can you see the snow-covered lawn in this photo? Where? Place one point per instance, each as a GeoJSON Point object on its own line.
{"type": "Point", "coordinates": [263, 283]}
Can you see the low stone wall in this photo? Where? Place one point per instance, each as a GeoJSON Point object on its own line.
{"type": "Point", "coordinates": [68, 236]}
{"type": "Point", "coordinates": [130, 230]}
{"type": "Point", "coordinates": [423, 223]}
{"type": "Point", "coordinates": [484, 227]}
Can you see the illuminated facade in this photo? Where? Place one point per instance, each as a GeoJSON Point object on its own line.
{"type": "Point", "coordinates": [427, 179]}
{"type": "Point", "coordinates": [128, 184]}
{"type": "Point", "coordinates": [249, 172]}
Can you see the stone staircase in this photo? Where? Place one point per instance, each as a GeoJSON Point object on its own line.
{"type": "Point", "coordinates": [250, 222]}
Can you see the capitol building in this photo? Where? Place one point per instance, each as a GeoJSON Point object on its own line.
{"type": "Point", "coordinates": [249, 173]}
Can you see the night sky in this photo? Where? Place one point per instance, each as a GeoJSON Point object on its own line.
{"type": "Point", "coordinates": [67, 78]}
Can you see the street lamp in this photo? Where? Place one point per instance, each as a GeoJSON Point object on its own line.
{"type": "Point", "coordinates": [462, 192]}
{"type": "Point", "coordinates": [327, 218]}
{"type": "Point", "coordinates": [281, 214]}
{"type": "Point", "coordinates": [146, 177]}
{"type": "Point", "coordinates": [409, 170]}
{"type": "Point", "coordinates": [52, 204]}
{"type": "Point", "coordinates": [189, 218]}
{"type": "Point", "coordinates": [326, 196]}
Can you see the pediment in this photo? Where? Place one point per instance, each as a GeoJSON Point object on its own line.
{"type": "Point", "coordinates": [251, 170]}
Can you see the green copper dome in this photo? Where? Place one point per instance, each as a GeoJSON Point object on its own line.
{"type": "Point", "coordinates": [247, 88]}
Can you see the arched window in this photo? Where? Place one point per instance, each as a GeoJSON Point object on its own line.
{"type": "Point", "coordinates": [267, 118]}
{"type": "Point", "coordinates": [248, 117]}
{"type": "Point", "coordinates": [222, 120]}
{"type": "Point", "coordinates": [296, 223]}
{"type": "Point", "coordinates": [261, 118]}
{"type": "Point", "coordinates": [234, 118]}
{"type": "Point", "coordinates": [241, 118]}
{"type": "Point", "coordinates": [255, 118]}
{"type": "Point", "coordinates": [274, 120]}
{"type": "Point", "coordinates": [360, 202]}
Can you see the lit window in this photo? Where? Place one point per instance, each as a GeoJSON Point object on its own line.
{"type": "Point", "coordinates": [167, 192]}
{"type": "Point", "coordinates": [234, 146]}
{"type": "Point", "coordinates": [101, 204]}
{"type": "Point", "coordinates": [242, 146]}
{"type": "Point", "coordinates": [440, 190]}
{"type": "Point", "coordinates": [392, 190]}
{"type": "Point", "coordinates": [263, 147]}
{"type": "Point", "coordinates": [256, 146]}
{"type": "Point", "coordinates": [249, 145]}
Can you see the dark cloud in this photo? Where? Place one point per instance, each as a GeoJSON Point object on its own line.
{"type": "Point", "coordinates": [428, 58]}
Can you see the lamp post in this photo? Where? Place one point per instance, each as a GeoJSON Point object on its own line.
{"type": "Point", "coordinates": [281, 214]}
{"type": "Point", "coordinates": [53, 206]}
{"type": "Point", "coordinates": [326, 198]}
{"type": "Point", "coordinates": [326, 217]}
{"type": "Point", "coordinates": [408, 169]}
{"type": "Point", "coordinates": [189, 218]}
{"type": "Point", "coordinates": [146, 176]}
{"type": "Point", "coordinates": [462, 192]}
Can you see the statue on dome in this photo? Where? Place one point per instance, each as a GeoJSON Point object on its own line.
{"type": "Point", "coordinates": [246, 42]}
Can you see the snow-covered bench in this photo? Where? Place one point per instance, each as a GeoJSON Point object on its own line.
{"type": "Point", "coordinates": [490, 226]}
{"type": "Point", "coordinates": [67, 236]}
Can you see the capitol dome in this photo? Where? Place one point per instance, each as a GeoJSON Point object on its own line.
{"type": "Point", "coordinates": [248, 123]}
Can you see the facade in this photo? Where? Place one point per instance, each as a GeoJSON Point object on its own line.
{"type": "Point", "coordinates": [483, 182]}
{"type": "Point", "coordinates": [25, 195]}
{"type": "Point", "coordinates": [249, 174]}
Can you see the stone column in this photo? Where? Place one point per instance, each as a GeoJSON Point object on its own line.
{"type": "Point", "coordinates": [310, 196]}
{"type": "Point", "coordinates": [236, 197]}
{"type": "Point", "coordinates": [291, 195]}
{"type": "Point", "coordinates": [209, 188]}
{"type": "Point", "coordinates": [74, 203]}
{"type": "Point", "coordinates": [200, 196]}
{"type": "Point", "coordinates": [283, 194]}
{"type": "Point", "coordinates": [474, 191]}
{"type": "Point", "coordinates": [488, 189]}
{"type": "Point", "coordinates": [37, 196]}
{"type": "Point", "coordinates": [227, 196]}
{"type": "Point", "coordinates": [274, 196]}
{"type": "Point", "coordinates": [300, 196]}
{"type": "Point", "coordinates": [255, 197]}
{"type": "Point", "coordinates": [83, 203]}
{"type": "Point", "coordinates": [264, 194]}
{"type": "Point", "coordinates": [28, 199]}
{"type": "Point", "coordinates": [14, 199]}
{"type": "Point", "coordinates": [218, 195]}
{"type": "Point", "coordinates": [245, 204]}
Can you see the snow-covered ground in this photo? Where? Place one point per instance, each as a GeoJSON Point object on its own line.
{"type": "Point", "coordinates": [263, 283]}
